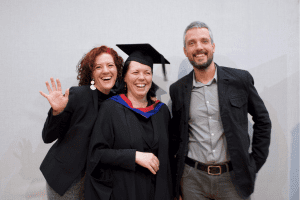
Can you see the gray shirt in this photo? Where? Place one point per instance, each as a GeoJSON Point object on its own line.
{"type": "Point", "coordinates": [207, 142]}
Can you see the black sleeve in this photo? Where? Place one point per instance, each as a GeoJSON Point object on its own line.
{"type": "Point", "coordinates": [174, 139]}
{"type": "Point", "coordinates": [261, 127]}
{"type": "Point", "coordinates": [102, 152]}
{"type": "Point", "coordinates": [174, 134]}
{"type": "Point", "coordinates": [58, 125]}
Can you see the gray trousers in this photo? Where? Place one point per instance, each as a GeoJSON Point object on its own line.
{"type": "Point", "coordinates": [75, 192]}
{"type": "Point", "coordinates": [198, 185]}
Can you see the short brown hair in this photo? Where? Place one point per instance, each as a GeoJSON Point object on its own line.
{"type": "Point", "coordinates": [85, 66]}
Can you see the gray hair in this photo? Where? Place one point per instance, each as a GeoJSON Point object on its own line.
{"type": "Point", "coordinates": [197, 24]}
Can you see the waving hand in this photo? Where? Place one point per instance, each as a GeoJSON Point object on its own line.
{"type": "Point", "coordinates": [57, 100]}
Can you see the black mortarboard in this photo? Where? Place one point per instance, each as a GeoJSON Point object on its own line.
{"type": "Point", "coordinates": [145, 54]}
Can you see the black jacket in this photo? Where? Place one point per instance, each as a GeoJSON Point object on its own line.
{"type": "Point", "coordinates": [72, 128]}
{"type": "Point", "coordinates": [237, 98]}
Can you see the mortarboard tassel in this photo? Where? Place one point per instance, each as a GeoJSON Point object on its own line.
{"type": "Point", "coordinates": [163, 67]}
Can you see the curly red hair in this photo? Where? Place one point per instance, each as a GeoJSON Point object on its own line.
{"type": "Point", "coordinates": [85, 66]}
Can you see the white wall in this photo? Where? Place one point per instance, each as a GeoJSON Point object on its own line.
{"type": "Point", "coordinates": [42, 39]}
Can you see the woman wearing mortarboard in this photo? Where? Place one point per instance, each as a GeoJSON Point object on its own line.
{"type": "Point", "coordinates": [128, 155]}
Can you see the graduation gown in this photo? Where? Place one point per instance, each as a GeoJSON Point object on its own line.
{"type": "Point", "coordinates": [111, 171]}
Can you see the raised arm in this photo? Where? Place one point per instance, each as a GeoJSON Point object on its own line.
{"type": "Point", "coordinates": [57, 121]}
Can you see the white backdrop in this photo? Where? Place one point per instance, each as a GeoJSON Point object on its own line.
{"type": "Point", "coordinates": [42, 39]}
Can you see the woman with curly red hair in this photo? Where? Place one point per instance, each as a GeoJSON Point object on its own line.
{"type": "Point", "coordinates": [71, 118]}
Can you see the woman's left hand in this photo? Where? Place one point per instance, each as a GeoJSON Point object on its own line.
{"type": "Point", "coordinates": [147, 160]}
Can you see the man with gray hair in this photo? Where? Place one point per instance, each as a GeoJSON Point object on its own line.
{"type": "Point", "coordinates": [209, 145]}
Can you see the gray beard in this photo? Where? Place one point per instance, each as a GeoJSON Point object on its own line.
{"type": "Point", "coordinates": [202, 66]}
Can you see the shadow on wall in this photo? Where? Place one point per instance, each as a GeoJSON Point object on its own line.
{"type": "Point", "coordinates": [21, 177]}
{"type": "Point", "coordinates": [272, 180]}
{"type": "Point", "coordinates": [184, 68]}
{"type": "Point", "coordinates": [294, 170]}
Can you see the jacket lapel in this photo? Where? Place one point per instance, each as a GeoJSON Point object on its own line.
{"type": "Point", "coordinates": [222, 89]}
{"type": "Point", "coordinates": [155, 123]}
{"type": "Point", "coordinates": [188, 85]}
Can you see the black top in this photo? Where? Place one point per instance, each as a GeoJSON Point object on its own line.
{"type": "Point", "coordinates": [147, 125]}
{"type": "Point", "coordinates": [149, 178]}
{"type": "Point", "coordinates": [102, 97]}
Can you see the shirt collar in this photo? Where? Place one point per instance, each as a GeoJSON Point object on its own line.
{"type": "Point", "coordinates": [199, 84]}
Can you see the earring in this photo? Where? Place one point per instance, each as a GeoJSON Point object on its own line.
{"type": "Point", "coordinates": [92, 85]}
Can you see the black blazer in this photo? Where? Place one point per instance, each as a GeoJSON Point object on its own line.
{"type": "Point", "coordinates": [111, 169]}
{"type": "Point", "coordinates": [237, 98]}
{"type": "Point", "coordinates": [72, 128]}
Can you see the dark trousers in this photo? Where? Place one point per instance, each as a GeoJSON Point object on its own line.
{"type": "Point", "coordinates": [198, 185]}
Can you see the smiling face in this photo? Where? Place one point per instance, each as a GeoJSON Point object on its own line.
{"type": "Point", "coordinates": [199, 49]}
{"type": "Point", "coordinates": [138, 79]}
{"type": "Point", "coordinates": [105, 72]}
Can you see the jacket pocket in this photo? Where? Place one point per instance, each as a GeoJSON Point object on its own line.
{"type": "Point", "coordinates": [239, 109]}
{"type": "Point", "coordinates": [238, 101]}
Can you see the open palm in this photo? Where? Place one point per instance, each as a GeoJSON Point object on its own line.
{"type": "Point", "coordinates": [57, 100]}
